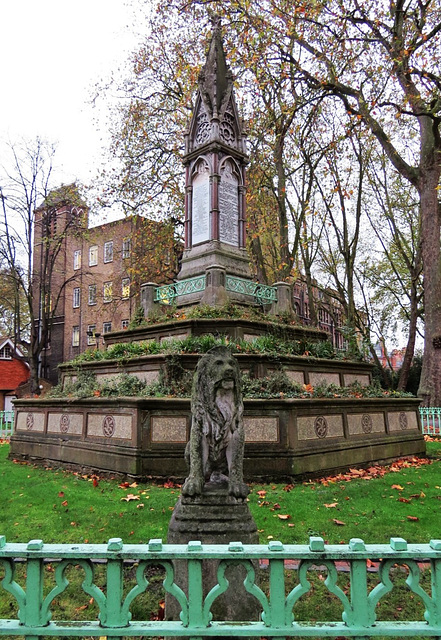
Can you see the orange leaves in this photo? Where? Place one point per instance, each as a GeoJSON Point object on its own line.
{"type": "Point", "coordinates": [129, 497]}
{"type": "Point", "coordinates": [331, 505]}
{"type": "Point", "coordinates": [376, 471]}
{"type": "Point", "coordinates": [339, 523]}
{"type": "Point", "coordinates": [398, 487]}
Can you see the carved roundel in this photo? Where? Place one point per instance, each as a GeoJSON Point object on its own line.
{"type": "Point", "coordinates": [227, 132]}
{"type": "Point", "coordinates": [109, 426]}
{"type": "Point", "coordinates": [321, 427]}
{"type": "Point", "coordinates": [29, 421]}
{"type": "Point", "coordinates": [64, 423]}
{"type": "Point", "coordinates": [366, 423]}
{"type": "Point", "coordinates": [403, 420]}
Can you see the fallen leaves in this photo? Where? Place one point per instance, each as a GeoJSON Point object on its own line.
{"type": "Point", "coordinates": [375, 471]}
{"type": "Point", "coordinates": [413, 518]}
{"type": "Point", "coordinates": [331, 505]}
{"type": "Point", "coordinates": [129, 497]}
{"type": "Point", "coordinates": [398, 487]}
{"type": "Point", "coordinates": [339, 523]}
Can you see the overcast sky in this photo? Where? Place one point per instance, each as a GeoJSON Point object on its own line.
{"type": "Point", "coordinates": [52, 53]}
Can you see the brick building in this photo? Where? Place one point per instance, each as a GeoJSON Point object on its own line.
{"type": "Point", "coordinates": [13, 372]}
{"type": "Point", "coordinates": [96, 276]}
{"type": "Point", "coordinates": [330, 315]}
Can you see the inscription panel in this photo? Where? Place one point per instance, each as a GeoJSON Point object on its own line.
{"type": "Point", "coordinates": [109, 426]}
{"type": "Point", "coordinates": [318, 377]}
{"type": "Point", "coordinates": [319, 427]}
{"type": "Point", "coordinates": [402, 420]}
{"type": "Point", "coordinates": [362, 378]}
{"type": "Point", "coordinates": [261, 429]}
{"type": "Point", "coordinates": [228, 206]}
{"type": "Point", "coordinates": [169, 429]}
{"type": "Point", "coordinates": [295, 376]}
{"type": "Point", "coordinates": [30, 421]}
{"type": "Point", "coordinates": [200, 227]}
{"type": "Point", "coordinates": [358, 423]}
{"type": "Point", "coordinates": [70, 423]}
{"type": "Point", "coordinates": [146, 376]}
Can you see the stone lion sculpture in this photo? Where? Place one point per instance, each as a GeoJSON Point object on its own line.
{"type": "Point", "coordinates": [215, 449]}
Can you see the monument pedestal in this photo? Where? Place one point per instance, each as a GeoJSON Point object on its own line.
{"type": "Point", "coordinates": [214, 518]}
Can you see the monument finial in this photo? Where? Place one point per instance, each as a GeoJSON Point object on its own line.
{"type": "Point", "coordinates": [215, 79]}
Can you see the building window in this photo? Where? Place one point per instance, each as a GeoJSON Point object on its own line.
{"type": "Point", "coordinates": [77, 259]}
{"type": "Point", "coordinates": [107, 327]}
{"type": "Point", "coordinates": [125, 324]}
{"type": "Point", "coordinates": [108, 251]}
{"type": "Point", "coordinates": [107, 292]}
{"type": "Point", "coordinates": [92, 294]}
{"type": "Point", "coordinates": [91, 328]}
{"type": "Point", "coordinates": [5, 352]}
{"type": "Point", "coordinates": [126, 248]}
{"type": "Point", "coordinates": [125, 287]}
{"type": "Point", "coordinates": [76, 297]}
{"type": "Point", "coordinates": [75, 336]}
{"type": "Point", "coordinates": [93, 255]}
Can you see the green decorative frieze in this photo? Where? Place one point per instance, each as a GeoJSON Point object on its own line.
{"type": "Point", "coordinates": [37, 600]}
{"type": "Point", "coordinates": [167, 293]}
{"type": "Point", "coordinates": [262, 293]}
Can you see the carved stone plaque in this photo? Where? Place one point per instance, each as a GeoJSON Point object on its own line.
{"type": "Point", "coordinates": [201, 206]}
{"type": "Point", "coordinates": [228, 207]}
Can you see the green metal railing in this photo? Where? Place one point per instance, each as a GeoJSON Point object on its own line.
{"type": "Point", "coordinates": [167, 293]}
{"type": "Point", "coordinates": [6, 424]}
{"type": "Point", "coordinates": [431, 420]}
{"type": "Point", "coordinates": [262, 293]}
{"type": "Point", "coordinates": [36, 601]}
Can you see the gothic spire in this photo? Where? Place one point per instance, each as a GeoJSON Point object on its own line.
{"type": "Point", "coordinates": [215, 79]}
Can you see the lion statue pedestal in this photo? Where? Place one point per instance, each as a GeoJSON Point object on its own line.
{"type": "Point", "coordinates": [213, 507]}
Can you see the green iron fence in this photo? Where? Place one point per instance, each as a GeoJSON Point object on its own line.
{"type": "Point", "coordinates": [6, 424]}
{"type": "Point", "coordinates": [36, 601]}
{"type": "Point", "coordinates": [262, 293]}
{"type": "Point", "coordinates": [167, 293]}
{"type": "Point", "coordinates": [431, 420]}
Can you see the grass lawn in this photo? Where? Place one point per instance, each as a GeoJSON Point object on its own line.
{"type": "Point", "coordinates": [59, 506]}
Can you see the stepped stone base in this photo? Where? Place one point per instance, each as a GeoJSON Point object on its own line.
{"type": "Point", "coordinates": [214, 518]}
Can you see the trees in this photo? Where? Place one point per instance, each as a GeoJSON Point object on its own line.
{"type": "Point", "coordinates": [29, 216]}
{"type": "Point", "coordinates": [382, 61]}
{"type": "Point", "coordinates": [378, 60]}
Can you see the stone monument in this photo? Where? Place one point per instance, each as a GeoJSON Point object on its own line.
{"type": "Point", "coordinates": [213, 507]}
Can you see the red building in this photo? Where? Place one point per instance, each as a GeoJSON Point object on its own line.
{"type": "Point", "coordinates": [13, 372]}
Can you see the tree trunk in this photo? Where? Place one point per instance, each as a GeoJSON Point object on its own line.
{"type": "Point", "coordinates": [430, 385]}
{"type": "Point", "coordinates": [410, 348]}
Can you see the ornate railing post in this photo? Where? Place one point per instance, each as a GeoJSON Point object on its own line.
{"type": "Point", "coordinates": [283, 304]}
{"type": "Point", "coordinates": [148, 303]}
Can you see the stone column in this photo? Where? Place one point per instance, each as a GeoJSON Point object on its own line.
{"type": "Point", "coordinates": [284, 298]}
{"type": "Point", "coordinates": [147, 298]}
{"type": "Point", "coordinates": [215, 293]}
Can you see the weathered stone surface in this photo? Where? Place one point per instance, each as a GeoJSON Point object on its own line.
{"type": "Point", "coordinates": [295, 376]}
{"type": "Point", "coordinates": [261, 429]}
{"type": "Point", "coordinates": [215, 517]}
{"type": "Point", "coordinates": [402, 421]}
{"type": "Point", "coordinates": [320, 377]}
{"type": "Point", "coordinates": [320, 427]}
{"type": "Point", "coordinates": [66, 422]}
{"type": "Point", "coordinates": [109, 425]}
{"type": "Point", "coordinates": [217, 438]}
{"type": "Point", "coordinates": [365, 423]}
{"type": "Point", "coordinates": [31, 421]}
{"type": "Point", "coordinates": [362, 378]}
{"type": "Point", "coordinates": [169, 429]}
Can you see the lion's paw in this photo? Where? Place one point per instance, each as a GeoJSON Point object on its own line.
{"type": "Point", "coordinates": [192, 487]}
{"type": "Point", "coordinates": [238, 489]}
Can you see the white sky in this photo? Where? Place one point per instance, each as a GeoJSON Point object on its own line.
{"type": "Point", "coordinates": [52, 53]}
